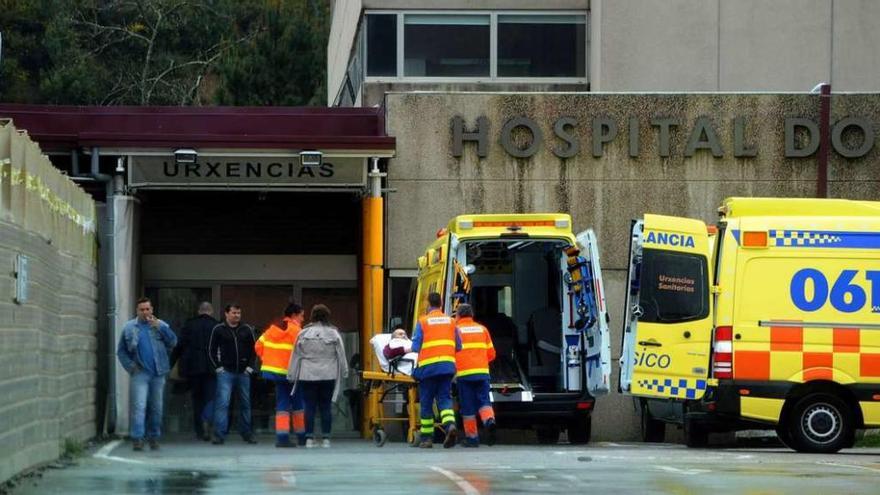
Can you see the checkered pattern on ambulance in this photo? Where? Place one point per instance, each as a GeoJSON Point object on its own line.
{"type": "Point", "coordinates": [802, 354]}
{"type": "Point", "coordinates": [682, 388]}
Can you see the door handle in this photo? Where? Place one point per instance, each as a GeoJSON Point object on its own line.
{"type": "Point", "coordinates": [650, 343]}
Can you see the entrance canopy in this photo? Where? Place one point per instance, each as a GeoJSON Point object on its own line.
{"type": "Point", "coordinates": [217, 147]}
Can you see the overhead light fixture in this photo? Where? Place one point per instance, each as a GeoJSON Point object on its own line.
{"type": "Point", "coordinates": [185, 155]}
{"type": "Point", "coordinates": [311, 158]}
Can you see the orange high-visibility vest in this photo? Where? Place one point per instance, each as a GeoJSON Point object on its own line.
{"type": "Point", "coordinates": [275, 345]}
{"type": "Point", "coordinates": [476, 349]}
{"type": "Point", "coordinates": [438, 339]}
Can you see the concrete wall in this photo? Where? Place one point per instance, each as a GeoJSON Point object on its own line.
{"type": "Point", "coordinates": [343, 29]}
{"type": "Point", "coordinates": [47, 352]}
{"type": "Point", "coordinates": [604, 193]}
{"type": "Point", "coordinates": [734, 45]}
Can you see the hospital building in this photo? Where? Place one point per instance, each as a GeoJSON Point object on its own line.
{"type": "Point", "coordinates": [602, 109]}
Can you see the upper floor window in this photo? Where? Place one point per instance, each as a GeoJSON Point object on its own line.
{"type": "Point", "coordinates": [479, 45]}
{"type": "Point", "coordinates": [446, 45]}
{"type": "Point", "coordinates": [382, 40]}
{"type": "Point", "coordinates": [541, 46]}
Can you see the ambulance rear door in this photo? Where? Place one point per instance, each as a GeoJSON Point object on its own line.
{"type": "Point", "coordinates": [668, 321]}
{"type": "Point", "coordinates": [433, 276]}
{"type": "Point", "coordinates": [596, 339]}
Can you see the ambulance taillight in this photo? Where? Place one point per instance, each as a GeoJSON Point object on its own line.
{"type": "Point", "coordinates": [722, 353]}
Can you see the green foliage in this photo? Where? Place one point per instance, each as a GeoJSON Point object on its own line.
{"type": "Point", "coordinates": [71, 448]}
{"type": "Point", "coordinates": [163, 52]}
{"type": "Point", "coordinates": [284, 63]}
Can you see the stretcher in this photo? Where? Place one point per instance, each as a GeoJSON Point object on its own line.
{"type": "Point", "coordinates": [388, 384]}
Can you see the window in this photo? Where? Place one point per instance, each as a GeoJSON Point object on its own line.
{"type": "Point", "coordinates": [541, 46]}
{"type": "Point", "coordinates": [479, 45]}
{"type": "Point", "coordinates": [382, 45]}
{"type": "Point", "coordinates": [446, 45]}
{"type": "Point", "coordinates": [673, 287]}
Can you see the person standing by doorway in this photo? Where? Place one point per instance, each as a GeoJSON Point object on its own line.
{"type": "Point", "coordinates": [195, 366]}
{"type": "Point", "coordinates": [317, 367]}
{"type": "Point", "coordinates": [436, 339]}
{"type": "Point", "coordinates": [143, 351]}
{"type": "Point", "coordinates": [231, 352]}
{"type": "Point", "coordinates": [472, 376]}
{"type": "Point", "coordinates": [274, 348]}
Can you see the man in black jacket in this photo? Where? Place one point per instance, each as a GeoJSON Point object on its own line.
{"type": "Point", "coordinates": [192, 350]}
{"type": "Point", "coordinates": [231, 352]}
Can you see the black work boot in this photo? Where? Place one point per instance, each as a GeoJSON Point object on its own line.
{"type": "Point", "coordinates": [491, 433]}
{"type": "Point", "coordinates": [451, 435]}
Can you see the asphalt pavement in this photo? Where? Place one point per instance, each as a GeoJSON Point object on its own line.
{"type": "Point", "coordinates": [359, 467]}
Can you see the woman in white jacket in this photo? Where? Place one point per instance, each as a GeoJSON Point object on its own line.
{"type": "Point", "coordinates": [318, 365]}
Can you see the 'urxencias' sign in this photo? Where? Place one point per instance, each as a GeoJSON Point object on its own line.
{"type": "Point", "coordinates": [245, 171]}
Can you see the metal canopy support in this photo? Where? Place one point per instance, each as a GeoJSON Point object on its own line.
{"type": "Point", "coordinates": [372, 286]}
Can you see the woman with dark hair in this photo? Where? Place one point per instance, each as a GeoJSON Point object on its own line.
{"type": "Point", "coordinates": [317, 367]}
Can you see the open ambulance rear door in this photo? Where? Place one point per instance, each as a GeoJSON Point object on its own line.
{"type": "Point", "coordinates": [595, 340]}
{"type": "Point", "coordinates": [668, 321]}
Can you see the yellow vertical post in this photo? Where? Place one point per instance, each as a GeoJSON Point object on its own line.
{"type": "Point", "coordinates": [372, 296]}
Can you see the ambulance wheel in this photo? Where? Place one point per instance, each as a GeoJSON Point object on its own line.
{"type": "Point", "coordinates": [653, 430]}
{"type": "Point", "coordinates": [820, 423]}
{"type": "Point", "coordinates": [547, 435]}
{"type": "Point", "coordinates": [379, 437]}
{"type": "Point", "coordinates": [579, 431]}
{"type": "Point", "coordinates": [695, 435]}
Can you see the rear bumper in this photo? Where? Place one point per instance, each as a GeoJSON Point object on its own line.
{"type": "Point", "coordinates": [544, 409]}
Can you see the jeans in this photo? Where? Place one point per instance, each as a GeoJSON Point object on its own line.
{"type": "Point", "coordinates": [318, 395]}
{"type": "Point", "coordinates": [146, 404]}
{"type": "Point", "coordinates": [202, 389]}
{"type": "Point", "coordinates": [225, 383]}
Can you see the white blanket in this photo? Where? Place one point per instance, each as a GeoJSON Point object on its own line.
{"type": "Point", "coordinates": [405, 365]}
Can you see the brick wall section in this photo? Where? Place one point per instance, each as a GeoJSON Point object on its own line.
{"type": "Point", "coordinates": [47, 351]}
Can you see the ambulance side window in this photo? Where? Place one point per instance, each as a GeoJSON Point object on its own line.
{"type": "Point", "coordinates": [673, 287]}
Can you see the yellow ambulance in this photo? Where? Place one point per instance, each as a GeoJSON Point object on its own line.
{"type": "Point", "coordinates": [538, 288]}
{"type": "Point", "coordinates": [770, 317]}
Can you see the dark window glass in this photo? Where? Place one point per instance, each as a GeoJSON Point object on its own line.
{"type": "Point", "coordinates": [541, 46]}
{"type": "Point", "coordinates": [673, 287]}
{"type": "Point", "coordinates": [446, 46]}
{"type": "Point", "coordinates": [381, 45]}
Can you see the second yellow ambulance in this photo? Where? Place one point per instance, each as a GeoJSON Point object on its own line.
{"type": "Point", "coordinates": [771, 317]}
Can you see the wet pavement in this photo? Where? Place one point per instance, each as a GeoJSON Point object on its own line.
{"type": "Point", "coordinates": [354, 466]}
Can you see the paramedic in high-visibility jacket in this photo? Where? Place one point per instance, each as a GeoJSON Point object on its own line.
{"type": "Point", "coordinates": [436, 339]}
{"type": "Point", "coordinates": [274, 348]}
{"type": "Point", "coordinates": [472, 376]}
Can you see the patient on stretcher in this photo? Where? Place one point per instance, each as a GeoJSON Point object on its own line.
{"type": "Point", "coordinates": [394, 352]}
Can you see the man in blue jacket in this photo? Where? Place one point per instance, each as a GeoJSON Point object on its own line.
{"type": "Point", "coordinates": [143, 351]}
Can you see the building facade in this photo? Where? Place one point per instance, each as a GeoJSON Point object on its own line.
{"type": "Point", "coordinates": [605, 110]}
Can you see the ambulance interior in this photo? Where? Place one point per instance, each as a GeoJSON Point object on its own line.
{"type": "Point", "coordinates": [517, 292]}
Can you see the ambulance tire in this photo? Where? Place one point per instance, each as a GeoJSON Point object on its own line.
{"type": "Point", "coordinates": [695, 434]}
{"type": "Point", "coordinates": [547, 435]}
{"type": "Point", "coordinates": [653, 430]}
{"type": "Point", "coordinates": [580, 430]}
{"type": "Point", "coordinates": [820, 423]}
